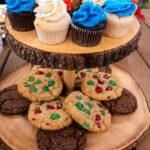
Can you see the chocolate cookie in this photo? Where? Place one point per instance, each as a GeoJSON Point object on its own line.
{"type": "Point", "coordinates": [70, 138]}
{"type": "Point", "coordinates": [123, 105]}
{"type": "Point", "coordinates": [11, 102]}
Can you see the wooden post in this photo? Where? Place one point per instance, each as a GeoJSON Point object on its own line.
{"type": "Point", "coordinates": [69, 80]}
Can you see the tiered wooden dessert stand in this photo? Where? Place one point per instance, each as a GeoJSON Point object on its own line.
{"type": "Point", "coordinates": [124, 132]}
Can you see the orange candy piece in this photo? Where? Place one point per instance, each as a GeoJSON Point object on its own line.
{"type": "Point", "coordinates": [135, 1]}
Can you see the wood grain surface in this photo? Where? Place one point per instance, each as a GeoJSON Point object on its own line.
{"type": "Point", "coordinates": [130, 127]}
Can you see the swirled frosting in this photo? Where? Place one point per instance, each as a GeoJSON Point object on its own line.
{"type": "Point", "coordinates": [89, 15]}
{"type": "Point", "coordinates": [121, 8]}
{"type": "Point", "coordinates": [51, 10]}
{"type": "Point", "coordinates": [19, 6]}
{"type": "Point", "coordinates": [100, 2]}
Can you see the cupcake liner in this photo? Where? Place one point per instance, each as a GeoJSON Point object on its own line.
{"type": "Point", "coordinates": [86, 37]}
{"type": "Point", "coordinates": [52, 35]}
{"type": "Point", "coordinates": [21, 21]}
{"type": "Point", "coordinates": [118, 29]}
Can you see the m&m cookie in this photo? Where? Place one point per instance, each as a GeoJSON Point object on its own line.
{"type": "Point", "coordinates": [102, 86]}
{"type": "Point", "coordinates": [43, 84]}
{"type": "Point", "coordinates": [87, 113]}
{"type": "Point", "coordinates": [49, 115]}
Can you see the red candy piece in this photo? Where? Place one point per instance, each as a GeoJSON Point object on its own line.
{"type": "Point", "coordinates": [68, 3]}
{"type": "Point", "coordinates": [100, 82]}
{"type": "Point", "coordinates": [59, 106]}
{"type": "Point", "coordinates": [37, 111]}
{"type": "Point", "coordinates": [106, 76]}
{"type": "Point", "coordinates": [50, 107]}
{"type": "Point", "coordinates": [83, 74]}
{"type": "Point", "coordinates": [108, 88]}
{"type": "Point", "coordinates": [98, 118]}
{"type": "Point", "coordinates": [99, 90]}
{"type": "Point", "coordinates": [140, 14]}
{"type": "Point", "coordinates": [95, 76]}
{"type": "Point", "coordinates": [60, 73]}
{"type": "Point", "coordinates": [33, 119]}
{"type": "Point", "coordinates": [39, 72]}
{"type": "Point", "coordinates": [47, 124]}
{"type": "Point", "coordinates": [98, 124]}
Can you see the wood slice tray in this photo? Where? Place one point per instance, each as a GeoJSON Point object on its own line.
{"type": "Point", "coordinates": [124, 132]}
{"type": "Point", "coordinates": [68, 55]}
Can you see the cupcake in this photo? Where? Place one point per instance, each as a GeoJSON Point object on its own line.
{"type": "Point", "coordinates": [52, 21]}
{"type": "Point", "coordinates": [88, 24]}
{"type": "Point", "coordinates": [100, 2]}
{"type": "Point", "coordinates": [20, 14]}
{"type": "Point", "coordinates": [120, 17]}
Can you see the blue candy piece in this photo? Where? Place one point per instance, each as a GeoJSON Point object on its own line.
{"type": "Point", "coordinates": [19, 6]}
{"type": "Point", "coordinates": [121, 8]}
{"type": "Point", "coordinates": [89, 15]}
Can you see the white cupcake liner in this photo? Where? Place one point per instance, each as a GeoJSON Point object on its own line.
{"type": "Point", "coordinates": [52, 35]}
{"type": "Point", "coordinates": [117, 28]}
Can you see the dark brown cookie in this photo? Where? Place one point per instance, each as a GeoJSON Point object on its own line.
{"type": "Point", "coordinates": [123, 105]}
{"type": "Point", "coordinates": [70, 138]}
{"type": "Point", "coordinates": [11, 102]}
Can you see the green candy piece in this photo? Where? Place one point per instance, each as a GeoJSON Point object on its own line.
{"type": "Point", "coordinates": [79, 106]}
{"type": "Point", "coordinates": [46, 89]}
{"type": "Point", "coordinates": [90, 83]}
{"type": "Point", "coordinates": [26, 84]}
{"type": "Point", "coordinates": [55, 116]}
{"type": "Point", "coordinates": [38, 82]}
{"type": "Point", "coordinates": [89, 70]}
{"type": "Point", "coordinates": [56, 99]}
{"type": "Point", "coordinates": [48, 75]}
{"type": "Point", "coordinates": [90, 105]}
{"type": "Point", "coordinates": [34, 89]}
{"type": "Point", "coordinates": [42, 102]}
{"type": "Point", "coordinates": [86, 111]}
{"type": "Point", "coordinates": [51, 83]}
{"type": "Point", "coordinates": [102, 113]}
{"type": "Point", "coordinates": [78, 97]}
{"type": "Point", "coordinates": [31, 79]}
{"type": "Point", "coordinates": [86, 124]}
{"type": "Point", "coordinates": [112, 82]}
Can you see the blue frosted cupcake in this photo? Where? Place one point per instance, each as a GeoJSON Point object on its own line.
{"type": "Point", "coordinates": [20, 14]}
{"type": "Point", "coordinates": [120, 17]}
{"type": "Point", "coordinates": [88, 24]}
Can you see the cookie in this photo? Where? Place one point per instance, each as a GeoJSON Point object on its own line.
{"type": "Point", "coordinates": [101, 86]}
{"type": "Point", "coordinates": [39, 70]}
{"type": "Point", "coordinates": [123, 105]}
{"type": "Point", "coordinates": [49, 115]}
{"type": "Point", "coordinates": [69, 138]}
{"type": "Point", "coordinates": [80, 75]}
{"type": "Point", "coordinates": [11, 102]}
{"type": "Point", "coordinates": [40, 85]}
{"type": "Point", "coordinates": [87, 113]}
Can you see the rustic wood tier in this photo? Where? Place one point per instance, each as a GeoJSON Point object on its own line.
{"type": "Point", "coordinates": [68, 55]}
{"type": "Point", "coordinates": [125, 131]}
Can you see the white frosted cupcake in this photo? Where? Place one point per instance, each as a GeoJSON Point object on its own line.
{"type": "Point", "coordinates": [120, 16]}
{"type": "Point", "coordinates": [100, 2]}
{"type": "Point", "coordinates": [52, 21]}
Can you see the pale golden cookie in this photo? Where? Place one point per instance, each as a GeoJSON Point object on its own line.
{"type": "Point", "coordinates": [49, 115]}
{"type": "Point", "coordinates": [41, 85]}
{"type": "Point", "coordinates": [87, 113]}
{"type": "Point", "coordinates": [102, 86]}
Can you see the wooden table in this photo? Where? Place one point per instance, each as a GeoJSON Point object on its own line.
{"type": "Point", "coordinates": [137, 64]}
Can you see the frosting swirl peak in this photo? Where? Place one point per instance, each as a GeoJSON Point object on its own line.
{"type": "Point", "coordinates": [19, 6]}
{"type": "Point", "coordinates": [120, 8]}
{"type": "Point", "coordinates": [89, 15]}
{"type": "Point", "coordinates": [51, 10]}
